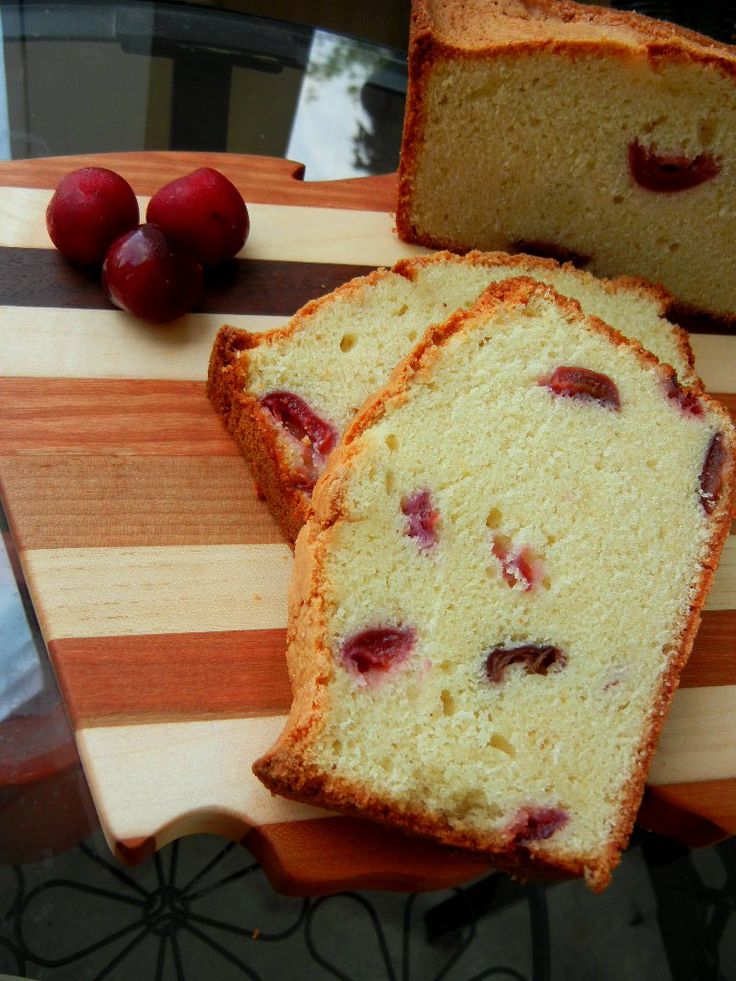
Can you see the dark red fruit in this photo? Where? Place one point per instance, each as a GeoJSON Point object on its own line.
{"type": "Point", "coordinates": [711, 476]}
{"type": "Point", "coordinates": [687, 402]}
{"type": "Point", "coordinates": [518, 565]}
{"type": "Point", "coordinates": [669, 174]}
{"type": "Point", "coordinates": [90, 208]}
{"type": "Point", "coordinates": [537, 823]}
{"type": "Point", "coordinates": [203, 213]}
{"type": "Point", "coordinates": [150, 278]}
{"type": "Point", "coordinates": [376, 650]}
{"type": "Point", "coordinates": [535, 658]}
{"type": "Point", "coordinates": [583, 384]}
{"type": "Point", "coordinates": [423, 518]}
{"type": "Point", "coordinates": [317, 437]}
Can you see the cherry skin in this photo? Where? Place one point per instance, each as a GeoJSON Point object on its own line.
{"type": "Point", "coordinates": [202, 213]}
{"type": "Point", "coordinates": [149, 277]}
{"type": "Point", "coordinates": [90, 208]}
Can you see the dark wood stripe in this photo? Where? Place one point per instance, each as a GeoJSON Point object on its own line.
{"type": "Point", "coordinates": [164, 677]}
{"type": "Point", "coordinates": [133, 500]}
{"type": "Point", "coordinates": [360, 855]}
{"type": "Point", "coordinates": [41, 278]}
{"type": "Point", "coordinates": [109, 416]}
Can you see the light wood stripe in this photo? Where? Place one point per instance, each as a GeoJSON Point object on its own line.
{"type": "Point", "coordinates": [52, 342]}
{"type": "Point", "coordinates": [183, 676]}
{"type": "Point", "coordinates": [723, 592]}
{"type": "Point", "coordinates": [715, 361]}
{"type": "Point", "coordinates": [103, 592]}
{"type": "Point", "coordinates": [278, 232]}
{"type": "Point", "coordinates": [133, 500]}
{"type": "Point", "coordinates": [166, 780]}
{"type": "Point", "coordinates": [109, 417]}
{"type": "Point", "coordinates": [699, 739]}
{"type": "Point", "coordinates": [39, 342]}
{"type": "Point", "coordinates": [107, 592]}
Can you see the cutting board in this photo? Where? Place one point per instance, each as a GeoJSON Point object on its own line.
{"type": "Point", "coordinates": [160, 579]}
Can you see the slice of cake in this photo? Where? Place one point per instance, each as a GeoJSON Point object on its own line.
{"type": "Point", "coordinates": [577, 132]}
{"type": "Point", "coordinates": [500, 581]}
{"type": "Point", "coordinates": [288, 395]}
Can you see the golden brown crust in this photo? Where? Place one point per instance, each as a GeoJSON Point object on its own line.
{"type": "Point", "coordinates": [483, 24]}
{"type": "Point", "coordinates": [288, 768]}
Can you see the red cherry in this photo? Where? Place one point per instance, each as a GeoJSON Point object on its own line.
{"type": "Point", "coordinates": [90, 208]}
{"type": "Point", "coordinates": [150, 278]}
{"type": "Point", "coordinates": [202, 213]}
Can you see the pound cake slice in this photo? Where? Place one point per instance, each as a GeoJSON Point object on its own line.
{"type": "Point", "coordinates": [574, 131]}
{"type": "Point", "coordinates": [499, 583]}
{"type": "Point", "coordinates": [288, 395]}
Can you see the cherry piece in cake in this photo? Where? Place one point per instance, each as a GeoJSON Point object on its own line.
{"type": "Point", "coordinates": [571, 381]}
{"type": "Point", "coordinates": [518, 564]}
{"type": "Point", "coordinates": [655, 172]}
{"type": "Point", "coordinates": [535, 658]}
{"type": "Point", "coordinates": [711, 476]}
{"type": "Point", "coordinates": [318, 437]}
{"type": "Point", "coordinates": [537, 823]}
{"type": "Point", "coordinates": [422, 518]}
{"type": "Point", "coordinates": [687, 402]}
{"type": "Point", "coordinates": [377, 649]}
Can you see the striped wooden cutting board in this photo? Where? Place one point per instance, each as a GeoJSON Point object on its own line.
{"type": "Point", "coordinates": [158, 577]}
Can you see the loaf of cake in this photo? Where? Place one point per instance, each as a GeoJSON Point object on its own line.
{"type": "Point", "coordinates": [602, 137]}
{"type": "Point", "coordinates": [499, 582]}
{"type": "Point", "coordinates": [288, 395]}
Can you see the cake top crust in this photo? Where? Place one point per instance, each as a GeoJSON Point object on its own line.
{"type": "Point", "coordinates": [476, 25]}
